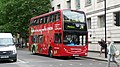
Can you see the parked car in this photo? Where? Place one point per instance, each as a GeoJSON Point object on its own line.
{"type": "Point", "coordinates": [7, 47]}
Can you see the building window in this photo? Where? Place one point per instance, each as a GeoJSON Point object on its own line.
{"type": "Point", "coordinates": [89, 23]}
{"type": "Point", "coordinates": [88, 2]}
{"type": "Point", "coordinates": [117, 18]}
{"type": "Point", "coordinates": [77, 4]}
{"type": "Point", "coordinates": [58, 6]}
{"type": "Point", "coordinates": [101, 22]}
{"type": "Point", "coordinates": [99, 1]}
{"type": "Point", "coordinates": [69, 4]}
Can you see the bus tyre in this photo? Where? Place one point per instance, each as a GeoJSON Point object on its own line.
{"type": "Point", "coordinates": [50, 52]}
{"type": "Point", "coordinates": [33, 50]}
{"type": "Point", "coordinates": [73, 57]}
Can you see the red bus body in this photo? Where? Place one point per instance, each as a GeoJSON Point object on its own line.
{"type": "Point", "coordinates": [52, 36]}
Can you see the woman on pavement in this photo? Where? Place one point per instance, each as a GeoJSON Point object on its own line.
{"type": "Point", "coordinates": [111, 53]}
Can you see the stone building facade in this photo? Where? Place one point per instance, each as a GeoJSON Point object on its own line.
{"type": "Point", "coordinates": [94, 10]}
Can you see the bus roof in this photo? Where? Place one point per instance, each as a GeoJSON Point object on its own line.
{"type": "Point", "coordinates": [45, 14]}
{"type": "Point", "coordinates": [49, 13]}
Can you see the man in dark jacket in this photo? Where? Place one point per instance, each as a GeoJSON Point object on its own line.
{"type": "Point", "coordinates": [103, 45]}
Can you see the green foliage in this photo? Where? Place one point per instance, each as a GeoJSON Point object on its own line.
{"type": "Point", "coordinates": [15, 14]}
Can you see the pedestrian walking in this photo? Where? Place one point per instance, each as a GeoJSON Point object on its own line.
{"type": "Point", "coordinates": [103, 45]}
{"type": "Point", "coordinates": [111, 54]}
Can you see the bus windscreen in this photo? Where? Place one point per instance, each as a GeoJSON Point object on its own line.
{"type": "Point", "coordinates": [74, 40]}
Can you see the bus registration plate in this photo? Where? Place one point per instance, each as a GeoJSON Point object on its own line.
{"type": "Point", "coordinates": [75, 55]}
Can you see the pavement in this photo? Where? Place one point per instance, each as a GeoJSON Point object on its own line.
{"type": "Point", "coordinates": [96, 56]}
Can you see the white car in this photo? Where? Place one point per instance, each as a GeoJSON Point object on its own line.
{"type": "Point", "coordinates": [7, 47]}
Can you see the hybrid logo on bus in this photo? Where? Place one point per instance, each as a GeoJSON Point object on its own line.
{"type": "Point", "coordinates": [57, 27]}
{"type": "Point", "coordinates": [40, 30]}
{"type": "Point", "coordinates": [32, 31]}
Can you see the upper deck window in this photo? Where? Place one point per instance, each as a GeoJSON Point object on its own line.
{"type": "Point", "coordinates": [53, 17]}
{"type": "Point", "coordinates": [73, 16]}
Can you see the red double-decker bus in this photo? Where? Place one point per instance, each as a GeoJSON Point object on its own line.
{"type": "Point", "coordinates": [59, 33]}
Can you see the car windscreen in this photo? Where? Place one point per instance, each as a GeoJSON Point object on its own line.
{"type": "Point", "coordinates": [6, 41]}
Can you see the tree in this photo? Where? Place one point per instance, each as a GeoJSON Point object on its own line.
{"type": "Point", "coordinates": [15, 14]}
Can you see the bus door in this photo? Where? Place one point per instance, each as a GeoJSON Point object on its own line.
{"type": "Point", "coordinates": [57, 38]}
{"type": "Point", "coordinates": [41, 39]}
{"type": "Point", "coordinates": [45, 44]}
{"type": "Point", "coordinates": [57, 42]}
{"type": "Point", "coordinates": [83, 40]}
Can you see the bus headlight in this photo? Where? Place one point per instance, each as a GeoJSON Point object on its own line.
{"type": "Point", "coordinates": [86, 53]}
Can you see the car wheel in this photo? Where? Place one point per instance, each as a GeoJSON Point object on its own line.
{"type": "Point", "coordinates": [14, 60]}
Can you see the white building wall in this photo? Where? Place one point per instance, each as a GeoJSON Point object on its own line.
{"type": "Point", "coordinates": [73, 4]}
{"type": "Point", "coordinates": [62, 3]}
{"type": "Point", "coordinates": [93, 11]}
{"type": "Point", "coordinates": [112, 2]}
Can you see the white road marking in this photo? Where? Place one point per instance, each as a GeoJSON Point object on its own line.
{"type": "Point", "coordinates": [50, 65]}
{"type": "Point", "coordinates": [18, 62]}
{"type": "Point", "coordinates": [91, 64]}
{"type": "Point", "coordinates": [71, 64]}
{"type": "Point", "coordinates": [60, 64]}
{"type": "Point", "coordinates": [100, 63]}
{"type": "Point", "coordinates": [21, 61]}
{"type": "Point", "coordinates": [80, 64]}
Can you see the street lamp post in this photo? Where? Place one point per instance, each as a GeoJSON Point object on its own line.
{"type": "Point", "coordinates": [105, 28]}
